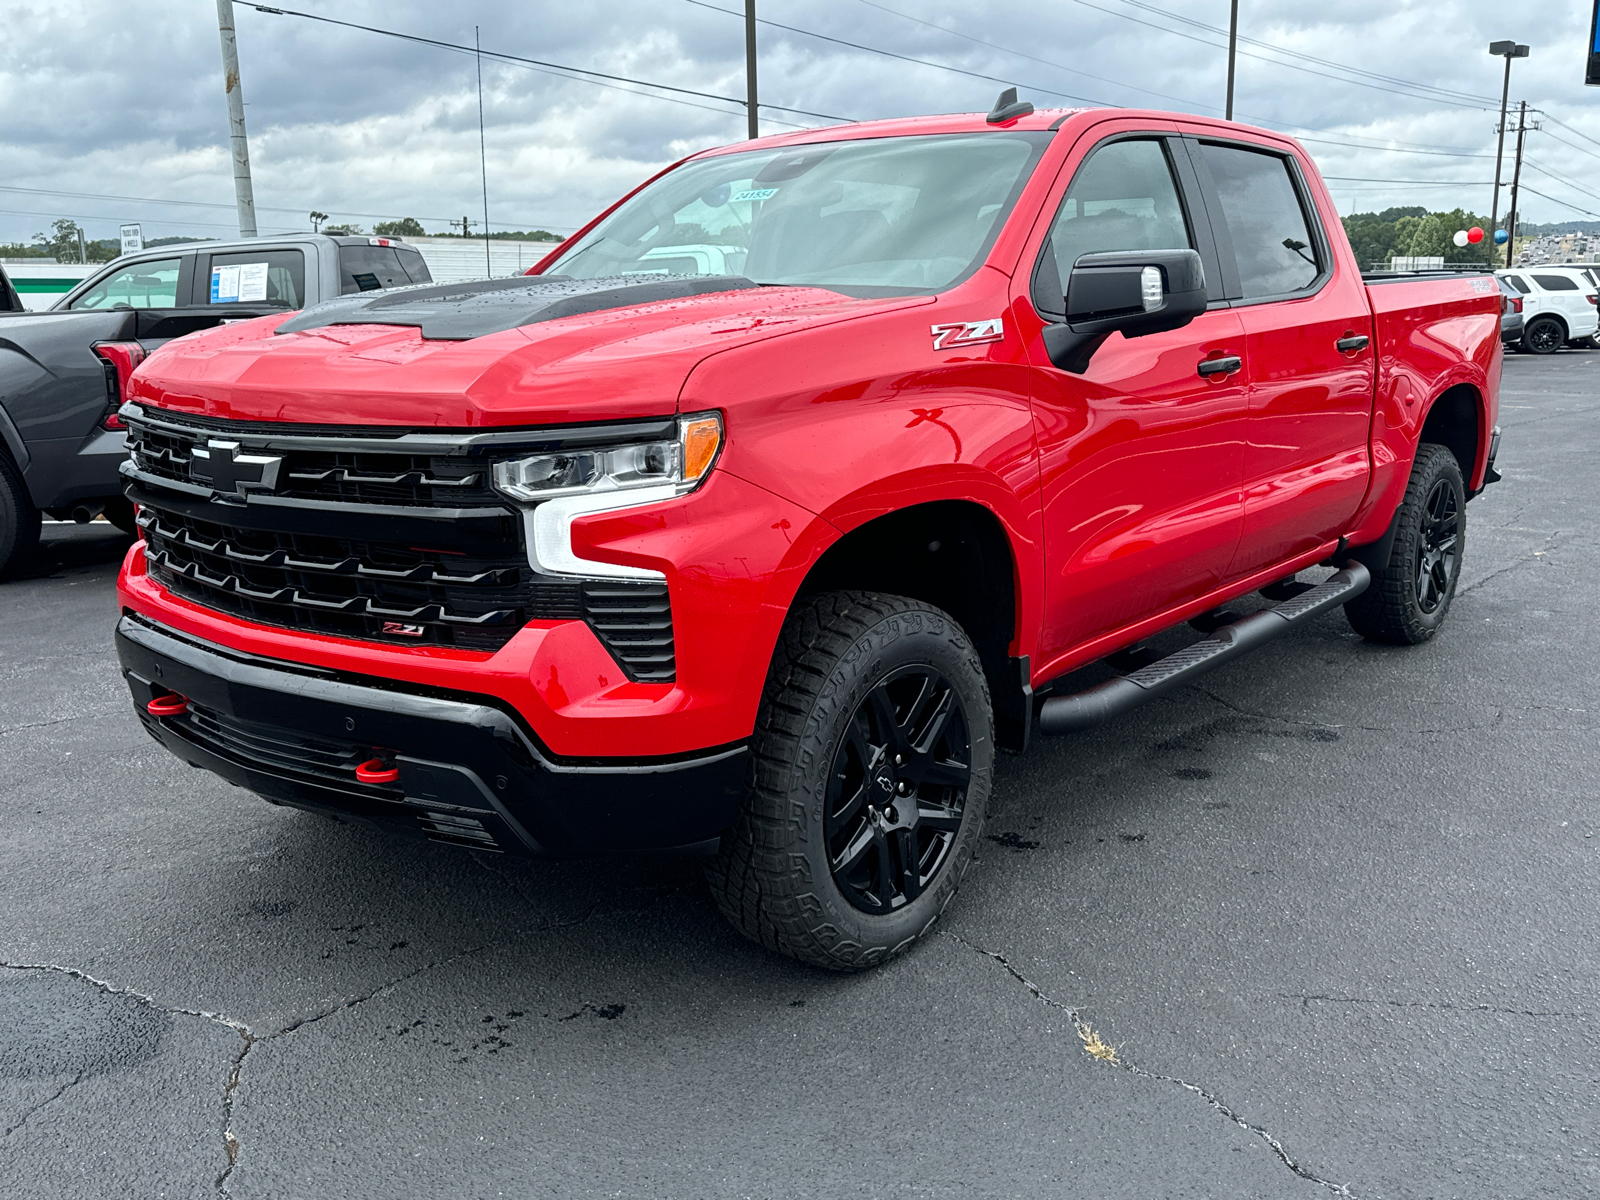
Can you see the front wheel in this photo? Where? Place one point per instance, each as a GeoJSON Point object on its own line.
{"type": "Point", "coordinates": [1543, 335]}
{"type": "Point", "coordinates": [873, 760]}
{"type": "Point", "coordinates": [1408, 598]}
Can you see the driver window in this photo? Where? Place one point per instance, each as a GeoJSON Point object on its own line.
{"type": "Point", "coordinates": [1122, 198]}
{"type": "Point", "coordinates": [140, 285]}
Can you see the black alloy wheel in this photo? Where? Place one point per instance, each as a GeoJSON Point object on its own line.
{"type": "Point", "coordinates": [897, 789]}
{"type": "Point", "coordinates": [1543, 335]}
{"type": "Point", "coordinates": [1410, 594]}
{"type": "Point", "coordinates": [1436, 548]}
{"type": "Point", "coordinates": [871, 765]}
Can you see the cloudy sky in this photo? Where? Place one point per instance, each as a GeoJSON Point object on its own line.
{"type": "Point", "coordinates": [114, 111]}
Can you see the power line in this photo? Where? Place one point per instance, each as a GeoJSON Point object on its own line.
{"type": "Point", "coordinates": [1326, 62]}
{"type": "Point", "coordinates": [1570, 129]}
{"type": "Point", "coordinates": [1553, 200]}
{"type": "Point", "coordinates": [921, 62]}
{"type": "Point", "coordinates": [585, 75]}
{"type": "Point", "coordinates": [1274, 62]}
{"type": "Point", "coordinates": [1416, 182]}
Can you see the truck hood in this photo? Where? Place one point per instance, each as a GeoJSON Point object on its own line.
{"type": "Point", "coordinates": [540, 358]}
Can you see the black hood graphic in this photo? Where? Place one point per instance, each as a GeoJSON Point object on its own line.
{"type": "Point", "coordinates": [461, 311]}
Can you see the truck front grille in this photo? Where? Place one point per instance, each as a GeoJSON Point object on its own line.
{"type": "Point", "coordinates": [405, 547]}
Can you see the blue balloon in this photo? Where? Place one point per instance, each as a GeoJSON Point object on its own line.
{"type": "Point", "coordinates": [1501, 237]}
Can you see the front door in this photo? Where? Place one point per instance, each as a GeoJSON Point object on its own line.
{"type": "Point", "coordinates": [1141, 456]}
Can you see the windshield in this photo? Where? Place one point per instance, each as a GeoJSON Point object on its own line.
{"type": "Point", "coordinates": [885, 216]}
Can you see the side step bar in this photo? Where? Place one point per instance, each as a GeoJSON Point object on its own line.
{"type": "Point", "coordinates": [1085, 710]}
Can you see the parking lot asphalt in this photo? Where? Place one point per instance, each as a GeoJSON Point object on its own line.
{"type": "Point", "coordinates": [1326, 921]}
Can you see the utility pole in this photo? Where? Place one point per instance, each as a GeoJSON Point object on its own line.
{"type": "Point", "coordinates": [466, 224]}
{"type": "Point", "coordinates": [244, 194]}
{"type": "Point", "coordinates": [1516, 178]}
{"type": "Point", "coordinates": [483, 156]}
{"type": "Point", "coordinates": [1233, 45]}
{"type": "Point", "coordinates": [751, 113]}
{"type": "Point", "coordinates": [1508, 50]}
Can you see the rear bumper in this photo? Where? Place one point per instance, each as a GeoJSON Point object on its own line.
{"type": "Point", "coordinates": [470, 772]}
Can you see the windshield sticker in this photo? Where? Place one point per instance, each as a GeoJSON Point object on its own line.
{"type": "Point", "coordinates": [754, 194]}
{"type": "Point", "coordinates": [245, 283]}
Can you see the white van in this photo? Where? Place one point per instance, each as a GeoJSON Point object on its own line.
{"type": "Point", "coordinates": [1559, 305]}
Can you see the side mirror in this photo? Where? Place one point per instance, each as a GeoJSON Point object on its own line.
{"type": "Point", "coordinates": [1134, 292]}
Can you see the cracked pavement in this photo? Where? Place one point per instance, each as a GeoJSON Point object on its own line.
{"type": "Point", "coordinates": [1320, 925]}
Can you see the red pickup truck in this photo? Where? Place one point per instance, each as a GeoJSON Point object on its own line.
{"type": "Point", "coordinates": [790, 488]}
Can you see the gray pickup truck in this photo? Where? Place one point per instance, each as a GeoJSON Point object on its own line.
{"type": "Point", "coordinates": [62, 372]}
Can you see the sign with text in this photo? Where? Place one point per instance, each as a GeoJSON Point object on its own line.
{"type": "Point", "coordinates": [244, 283]}
{"type": "Point", "coordinates": [133, 235]}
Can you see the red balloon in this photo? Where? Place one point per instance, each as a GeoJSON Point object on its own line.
{"type": "Point", "coordinates": [1475, 235]}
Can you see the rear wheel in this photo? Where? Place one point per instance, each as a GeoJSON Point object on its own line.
{"type": "Point", "coordinates": [1543, 335]}
{"type": "Point", "coordinates": [1408, 599]}
{"type": "Point", "coordinates": [19, 519]}
{"type": "Point", "coordinates": [872, 765]}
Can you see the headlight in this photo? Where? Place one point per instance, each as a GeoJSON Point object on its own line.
{"type": "Point", "coordinates": [681, 464]}
{"type": "Point", "coordinates": [559, 488]}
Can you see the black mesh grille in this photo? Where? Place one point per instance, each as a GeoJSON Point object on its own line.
{"type": "Point", "coordinates": [375, 556]}
{"type": "Point", "coordinates": [375, 477]}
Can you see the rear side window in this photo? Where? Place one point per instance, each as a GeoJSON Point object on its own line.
{"type": "Point", "coordinates": [1122, 198]}
{"type": "Point", "coordinates": [413, 265]}
{"type": "Point", "coordinates": [139, 285]}
{"type": "Point", "coordinates": [368, 268]}
{"type": "Point", "coordinates": [1555, 283]}
{"type": "Point", "coordinates": [1518, 282]}
{"type": "Point", "coordinates": [1272, 241]}
{"type": "Point", "coordinates": [258, 277]}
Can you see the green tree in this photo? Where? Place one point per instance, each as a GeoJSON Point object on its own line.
{"type": "Point", "coordinates": [62, 243]}
{"type": "Point", "coordinates": [404, 227]}
{"type": "Point", "coordinates": [350, 230]}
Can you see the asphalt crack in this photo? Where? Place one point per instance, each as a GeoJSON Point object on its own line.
{"type": "Point", "coordinates": [1098, 1049]}
{"type": "Point", "coordinates": [1531, 557]}
{"type": "Point", "coordinates": [1495, 721]}
{"type": "Point", "coordinates": [58, 721]}
{"type": "Point", "coordinates": [51, 1099]}
{"type": "Point", "coordinates": [1306, 1000]}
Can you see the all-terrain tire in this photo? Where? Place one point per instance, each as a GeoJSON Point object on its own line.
{"type": "Point", "coordinates": [1408, 599]}
{"type": "Point", "coordinates": [845, 666]}
{"type": "Point", "coordinates": [19, 519]}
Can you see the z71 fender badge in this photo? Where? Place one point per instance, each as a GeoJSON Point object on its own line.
{"type": "Point", "coordinates": [968, 333]}
{"type": "Point", "coordinates": [403, 630]}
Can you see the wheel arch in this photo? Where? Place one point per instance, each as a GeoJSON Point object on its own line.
{"type": "Point", "coordinates": [1456, 420]}
{"type": "Point", "coordinates": [955, 555]}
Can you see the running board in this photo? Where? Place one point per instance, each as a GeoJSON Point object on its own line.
{"type": "Point", "coordinates": [1085, 710]}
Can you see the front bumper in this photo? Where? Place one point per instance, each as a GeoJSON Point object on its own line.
{"type": "Point", "coordinates": [470, 772]}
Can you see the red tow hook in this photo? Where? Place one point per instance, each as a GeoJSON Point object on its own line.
{"type": "Point", "coordinates": [375, 770]}
{"type": "Point", "coordinates": [172, 705]}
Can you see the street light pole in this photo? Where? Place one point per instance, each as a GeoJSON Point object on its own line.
{"type": "Point", "coordinates": [1233, 45]}
{"type": "Point", "coordinates": [243, 194]}
{"type": "Point", "coordinates": [751, 113]}
{"type": "Point", "coordinates": [1508, 50]}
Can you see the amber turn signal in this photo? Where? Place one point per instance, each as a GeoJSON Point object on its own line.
{"type": "Point", "coordinates": [701, 437]}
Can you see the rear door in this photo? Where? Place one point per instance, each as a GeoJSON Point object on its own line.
{"type": "Point", "coordinates": [1308, 350]}
{"type": "Point", "coordinates": [1140, 456]}
{"type": "Point", "coordinates": [1567, 293]}
{"type": "Point", "coordinates": [235, 285]}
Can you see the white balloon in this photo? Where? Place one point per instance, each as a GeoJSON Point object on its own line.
{"type": "Point", "coordinates": [1460, 238]}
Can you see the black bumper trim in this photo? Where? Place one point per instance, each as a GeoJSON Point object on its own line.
{"type": "Point", "coordinates": [461, 755]}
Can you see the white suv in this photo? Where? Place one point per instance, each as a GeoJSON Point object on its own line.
{"type": "Point", "coordinates": [1559, 305]}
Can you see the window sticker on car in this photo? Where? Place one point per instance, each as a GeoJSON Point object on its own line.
{"type": "Point", "coordinates": [245, 283]}
{"type": "Point", "coordinates": [754, 194]}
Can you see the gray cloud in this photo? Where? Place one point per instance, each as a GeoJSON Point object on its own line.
{"type": "Point", "coordinates": [126, 100]}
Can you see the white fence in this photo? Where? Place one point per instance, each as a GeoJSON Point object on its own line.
{"type": "Point", "coordinates": [451, 260]}
{"type": "Point", "coordinates": [40, 282]}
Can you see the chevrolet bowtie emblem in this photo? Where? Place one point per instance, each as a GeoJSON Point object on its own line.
{"type": "Point", "coordinates": [220, 466]}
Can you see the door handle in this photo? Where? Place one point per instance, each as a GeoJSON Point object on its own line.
{"type": "Point", "coordinates": [1220, 366]}
{"type": "Point", "coordinates": [1354, 342]}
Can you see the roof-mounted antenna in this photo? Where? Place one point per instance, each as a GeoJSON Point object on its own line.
{"type": "Point", "coordinates": [1008, 108]}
